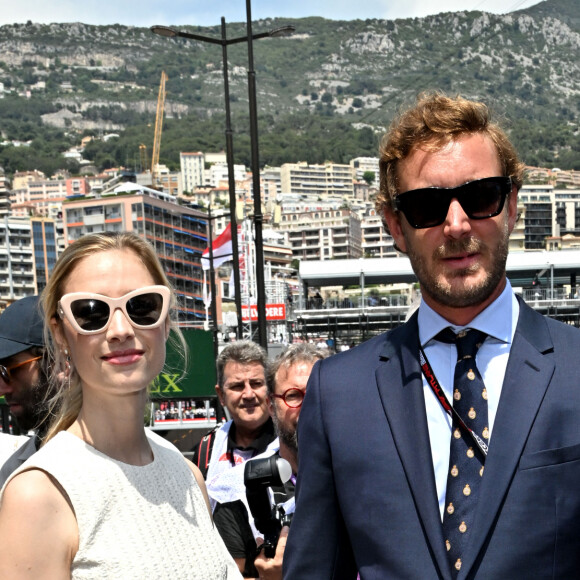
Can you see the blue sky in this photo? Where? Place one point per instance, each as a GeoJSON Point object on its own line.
{"type": "Point", "coordinates": [209, 12]}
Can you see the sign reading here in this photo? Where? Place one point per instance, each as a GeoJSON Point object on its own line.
{"type": "Point", "coordinates": [273, 312]}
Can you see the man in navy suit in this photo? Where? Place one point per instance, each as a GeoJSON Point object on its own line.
{"type": "Point", "coordinates": [371, 494]}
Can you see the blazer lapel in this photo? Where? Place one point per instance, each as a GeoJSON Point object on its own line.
{"type": "Point", "coordinates": [527, 377]}
{"type": "Point", "coordinates": [400, 387]}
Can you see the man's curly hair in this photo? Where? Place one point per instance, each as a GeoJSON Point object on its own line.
{"type": "Point", "coordinates": [433, 122]}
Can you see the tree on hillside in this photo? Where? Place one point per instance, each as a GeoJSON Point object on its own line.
{"type": "Point", "coordinates": [369, 176]}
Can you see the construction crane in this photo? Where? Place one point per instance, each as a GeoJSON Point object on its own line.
{"type": "Point", "coordinates": [158, 129]}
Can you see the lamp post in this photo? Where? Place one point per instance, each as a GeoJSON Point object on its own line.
{"type": "Point", "coordinates": [224, 42]}
{"type": "Point", "coordinates": [212, 282]}
{"type": "Point", "coordinates": [258, 216]}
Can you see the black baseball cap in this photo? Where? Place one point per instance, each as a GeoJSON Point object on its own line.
{"type": "Point", "coordinates": [21, 327]}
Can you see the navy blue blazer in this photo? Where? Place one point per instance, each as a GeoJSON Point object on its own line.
{"type": "Point", "coordinates": [366, 498]}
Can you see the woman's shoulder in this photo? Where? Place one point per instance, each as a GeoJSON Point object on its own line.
{"type": "Point", "coordinates": [33, 488]}
{"type": "Point", "coordinates": [35, 497]}
{"type": "Point", "coordinates": [33, 502]}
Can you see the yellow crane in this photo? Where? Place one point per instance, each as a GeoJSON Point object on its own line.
{"type": "Point", "coordinates": [158, 129]}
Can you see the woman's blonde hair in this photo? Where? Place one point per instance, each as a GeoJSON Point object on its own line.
{"type": "Point", "coordinates": [66, 403]}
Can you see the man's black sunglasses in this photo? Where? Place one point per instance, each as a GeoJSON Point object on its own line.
{"type": "Point", "coordinates": [428, 207]}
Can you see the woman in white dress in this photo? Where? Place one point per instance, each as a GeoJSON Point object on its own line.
{"type": "Point", "coordinates": [104, 497]}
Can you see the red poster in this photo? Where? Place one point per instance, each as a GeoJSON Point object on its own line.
{"type": "Point", "coordinates": [273, 312]}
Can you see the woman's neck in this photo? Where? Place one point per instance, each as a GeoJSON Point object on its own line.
{"type": "Point", "coordinates": [115, 428]}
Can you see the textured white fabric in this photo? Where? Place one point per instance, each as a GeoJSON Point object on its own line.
{"type": "Point", "coordinates": [219, 448]}
{"type": "Point", "coordinates": [147, 522]}
{"type": "Point", "coordinates": [9, 444]}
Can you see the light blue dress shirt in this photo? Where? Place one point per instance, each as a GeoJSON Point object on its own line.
{"type": "Point", "coordinates": [499, 322]}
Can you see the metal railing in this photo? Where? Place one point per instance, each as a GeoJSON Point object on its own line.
{"type": "Point", "coordinates": [358, 302]}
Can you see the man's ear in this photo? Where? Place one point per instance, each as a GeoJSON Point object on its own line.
{"type": "Point", "coordinates": [512, 208]}
{"type": "Point", "coordinates": [393, 221]}
{"type": "Point", "coordinates": [220, 395]}
{"type": "Point", "coordinates": [270, 400]}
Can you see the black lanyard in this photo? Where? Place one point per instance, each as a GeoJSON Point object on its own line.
{"type": "Point", "coordinates": [449, 409]}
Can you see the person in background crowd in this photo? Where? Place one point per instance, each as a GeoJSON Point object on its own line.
{"type": "Point", "coordinates": [23, 376]}
{"type": "Point", "coordinates": [286, 377]}
{"type": "Point", "coordinates": [9, 444]}
{"type": "Point", "coordinates": [104, 497]}
{"type": "Point", "coordinates": [241, 390]}
{"type": "Point", "coordinates": [448, 447]}
{"type": "Point", "coordinates": [287, 380]}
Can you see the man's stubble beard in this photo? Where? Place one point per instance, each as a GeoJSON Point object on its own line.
{"type": "Point", "coordinates": [287, 436]}
{"type": "Point", "coordinates": [444, 293]}
{"type": "Point", "coordinates": [36, 405]}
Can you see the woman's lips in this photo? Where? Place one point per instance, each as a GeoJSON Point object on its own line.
{"type": "Point", "coordinates": [123, 357]}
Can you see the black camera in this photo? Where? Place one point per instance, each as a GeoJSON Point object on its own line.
{"type": "Point", "coordinates": [259, 475]}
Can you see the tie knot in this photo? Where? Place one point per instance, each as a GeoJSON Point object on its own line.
{"type": "Point", "coordinates": [467, 341]}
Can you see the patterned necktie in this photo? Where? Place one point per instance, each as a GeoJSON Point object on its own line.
{"type": "Point", "coordinates": [466, 461]}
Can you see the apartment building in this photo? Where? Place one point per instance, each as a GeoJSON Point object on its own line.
{"type": "Point", "coordinates": [566, 212]}
{"type": "Point", "coordinates": [557, 177]}
{"type": "Point", "coordinates": [328, 180]}
{"type": "Point", "coordinates": [178, 233]}
{"type": "Point", "coordinates": [4, 194]}
{"type": "Point", "coordinates": [34, 195]}
{"type": "Point", "coordinates": [376, 241]}
{"type": "Point", "coordinates": [323, 235]}
{"type": "Point", "coordinates": [17, 272]}
{"type": "Point", "coordinates": [45, 247]}
{"type": "Point", "coordinates": [77, 186]}
{"type": "Point", "coordinates": [538, 201]}
{"type": "Point", "coordinates": [192, 170]}
{"type": "Point", "coordinates": [362, 165]}
{"type": "Point", "coordinates": [217, 175]}
{"type": "Point", "coordinates": [271, 184]}
{"type": "Point", "coordinates": [169, 181]}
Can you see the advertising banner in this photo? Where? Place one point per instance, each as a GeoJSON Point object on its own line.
{"type": "Point", "coordinates": [273, 312]}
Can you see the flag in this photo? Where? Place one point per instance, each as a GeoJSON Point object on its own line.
{"type": "Point", "coordinates": [232, 286]}
{"type": "Point", "coordinates": [207, 298]}
{"type": "Point", "coordinates": [222, 250]}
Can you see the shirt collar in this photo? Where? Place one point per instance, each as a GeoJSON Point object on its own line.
{"type": "Point", "coordinates": [259, 444]}
{"type": "Point", "coordinates": [497, 320]}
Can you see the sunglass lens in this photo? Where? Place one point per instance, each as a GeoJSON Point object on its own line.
{"type": "Point", "coordinates": [90, 314]}
{"type": "Point", "coordinates": [4, 374]}
{"type": "Point", "coordinates": [483, 200]}
{"type": "Point", "coordinates": [145, 309]}
{"type": "Point", "coordinates": [424, 208]}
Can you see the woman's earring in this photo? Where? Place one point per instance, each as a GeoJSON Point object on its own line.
{"type": "Point", "coordinates": [67, 364]}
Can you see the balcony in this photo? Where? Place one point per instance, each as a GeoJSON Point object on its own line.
{"type": "Point", "coordinates": [94, 220]}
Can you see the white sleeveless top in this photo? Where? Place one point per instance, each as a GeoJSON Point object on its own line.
{"type": "Point", "coordinates": [135, 522]}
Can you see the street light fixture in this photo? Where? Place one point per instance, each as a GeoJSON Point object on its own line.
{"type": "Point", "coordinates": [224, 42]}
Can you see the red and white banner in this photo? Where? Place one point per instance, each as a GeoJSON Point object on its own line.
{"type": "Point", "coordinates": [222, 250]}
{"type": "Point", "coordinates": [273, 312]}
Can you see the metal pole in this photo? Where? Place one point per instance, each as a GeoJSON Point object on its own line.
{"type": "Point", "coordinates": [232, 184]}
{"type": "Point", "coordinates": [258, 217]}
{"type": "Point", "coordinates": [213, 305]}
{"type": "Point", "coordinates": [9, 256]}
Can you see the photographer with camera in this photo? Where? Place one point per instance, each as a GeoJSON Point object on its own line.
{"type": "Point", "coordinates": [286, 378]}
{"type": "Point", "coordinates": [241, 389]}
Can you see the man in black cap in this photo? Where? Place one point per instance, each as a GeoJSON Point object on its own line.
{"type": "Point", "coordinates": [23, 377]}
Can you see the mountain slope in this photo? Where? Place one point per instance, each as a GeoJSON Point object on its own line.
{"type": "Point", "coordinates": [325, 93]}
